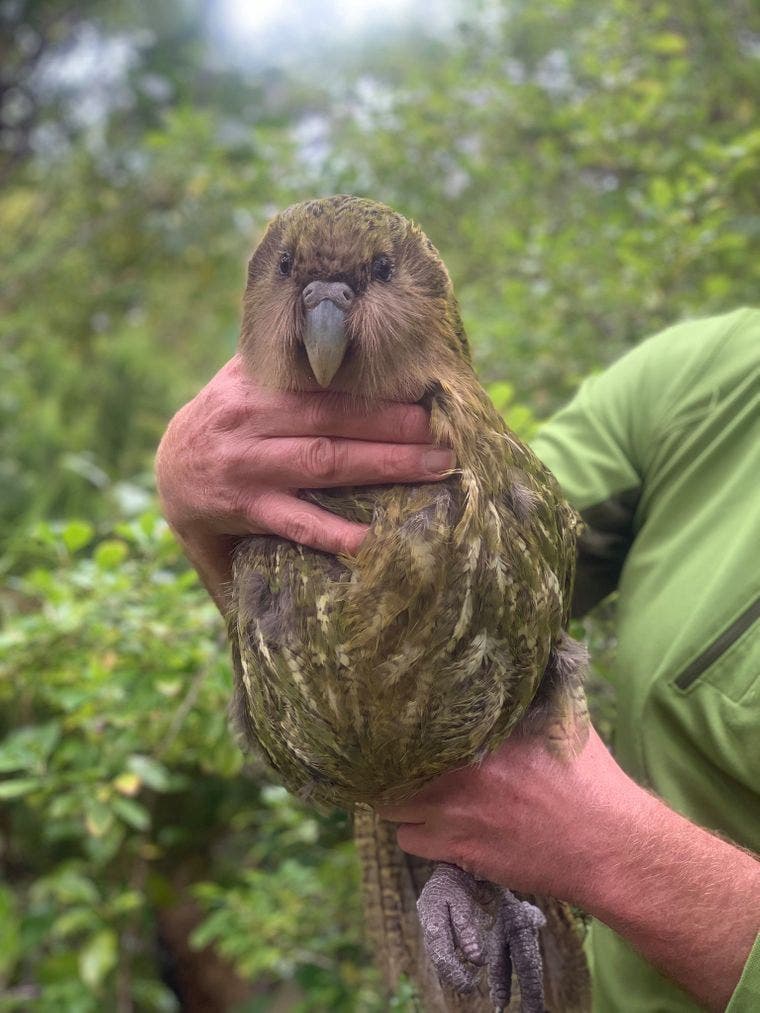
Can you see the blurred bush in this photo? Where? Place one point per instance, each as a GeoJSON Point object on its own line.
{"type": "Point", "coordinates": [122, 789]}
{"type": "Point", "coordinates": [588, 172]}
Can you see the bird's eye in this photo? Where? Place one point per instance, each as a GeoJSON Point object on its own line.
{"type": "Point", "coordinates": [285, 264]}
{"type": "Point", "coordinates": [382, 268]}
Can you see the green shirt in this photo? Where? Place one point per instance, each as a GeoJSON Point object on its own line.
{"type": "Point", "coordinates": [661, 455]}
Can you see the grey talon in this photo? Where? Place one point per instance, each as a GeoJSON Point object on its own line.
{"type": "Point", "coordinates": [521, 923]}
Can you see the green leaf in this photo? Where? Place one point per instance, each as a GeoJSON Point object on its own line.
{"type": "Point", "coordinates": [98, 957]}
{"type": "Point", "coordinates": [99, 818]}
{"type": "Point", "coordinates": [668, 43]}
{"type": "Point", "coordinates": [76, 534]}
{"type": "Point", "coordinates": [28, 748]}
{"type": "Point", "coordinates": [124, 903]}
{"type": "Point", "coordinates": [150, 771]}
{"type": "Point", "coordinates": [19, 786]}
{"type": "Point", "coordinates": [74, 921]}
{"type": "Point", "coordinates": [67, 885]}
{"type": "Point", "coordinates": [136, 815]}
{"type": "Point", "coordinates": [156, 997]}
{"type": "Point", "coordinates": [110, 554]}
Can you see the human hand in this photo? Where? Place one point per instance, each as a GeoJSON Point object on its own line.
{"type": "Point", "coordinates": [581, 830]}
{"type": "Point", "coordinates": [524, 818]}
{"type": "Point", "coordinates": [232, 459]}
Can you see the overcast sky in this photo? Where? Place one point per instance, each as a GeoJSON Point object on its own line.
{"type": "Point", "coordinates": [251, 30]}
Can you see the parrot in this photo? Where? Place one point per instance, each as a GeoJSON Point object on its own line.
{"type": "Point", "coordinates": [361, 678]}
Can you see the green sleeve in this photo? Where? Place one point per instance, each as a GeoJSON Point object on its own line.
{"type": "Point", "coordinates": [746, 997]}
{"type": "Point", "coordinates": [603, 445]}
{"type": "Point", "coordinates": [591, 446]}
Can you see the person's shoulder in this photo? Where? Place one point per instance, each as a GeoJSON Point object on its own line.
{"type": "Point", "coordinates": [689, 362]}
{"type": "Point", "coordinates": [698, 339]}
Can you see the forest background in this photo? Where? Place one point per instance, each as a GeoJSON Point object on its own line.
{"type": "Point", "coordinates": [589, 172]}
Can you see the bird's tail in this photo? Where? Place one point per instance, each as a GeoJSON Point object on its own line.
{"type": "Point", "coordinates": [567, 983]}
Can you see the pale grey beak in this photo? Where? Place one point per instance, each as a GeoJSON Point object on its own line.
{"type": "Point", "coordinates": [325, 338]}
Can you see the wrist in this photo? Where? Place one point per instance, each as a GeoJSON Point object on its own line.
{"type": "Point", "coordinates": [211, 556]}
{"type": "Point", "coordinates": [606, 857]}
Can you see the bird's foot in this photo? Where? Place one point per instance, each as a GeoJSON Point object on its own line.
{"type": "Point", "coordinates": [468, 924]}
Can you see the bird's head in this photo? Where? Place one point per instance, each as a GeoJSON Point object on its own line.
{"type": "Point", "coordinates": [345, 294]}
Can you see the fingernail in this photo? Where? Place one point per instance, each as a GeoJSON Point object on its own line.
{"type": "Point", "coordinates": [438, 460]}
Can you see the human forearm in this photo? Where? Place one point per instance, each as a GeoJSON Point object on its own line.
{"type": "Point", "coordinates": [688, 901]}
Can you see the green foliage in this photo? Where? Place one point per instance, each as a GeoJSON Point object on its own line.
{"type": "Point", "coordinates": [586, 177]}
{"type": "Point", "coordinates": [588, 172]}
{"type": "Point", "coordinates": [283, 909]}
{"type": "Point", "coordinates": [117, 766]}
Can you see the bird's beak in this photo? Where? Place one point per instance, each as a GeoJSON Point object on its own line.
{"type": "Point", "coordinates": [325, 340]}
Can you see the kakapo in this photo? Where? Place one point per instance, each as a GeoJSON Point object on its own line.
{"type": "Point", "coordinates": [361, 678]}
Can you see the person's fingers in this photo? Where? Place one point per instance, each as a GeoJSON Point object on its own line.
{"type": "Point", "coordinates": [282, 514]}
{"type": "Point", "coordinates": [415, 839]}
{"type": "Point", "coordinates": [288, 414]}
{"type": "Point", "coordinates": [321, 461]}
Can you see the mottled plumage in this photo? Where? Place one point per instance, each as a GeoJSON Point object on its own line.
{"type": "Point", "coordinates": [362, 678]}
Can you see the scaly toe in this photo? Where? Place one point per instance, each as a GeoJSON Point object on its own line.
{"type": "Point", "coordinates": [521, 922]}
{"type": "Point", "coordinates": [454, 926]}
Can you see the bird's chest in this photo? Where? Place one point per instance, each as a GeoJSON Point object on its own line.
{"type": "Point", "coordinates": [363, 676]}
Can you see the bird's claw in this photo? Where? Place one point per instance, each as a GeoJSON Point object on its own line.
{"type": "Point", "coordinates": [468, 924]}
{"type": "Point", "coordinates": [519, 924]}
